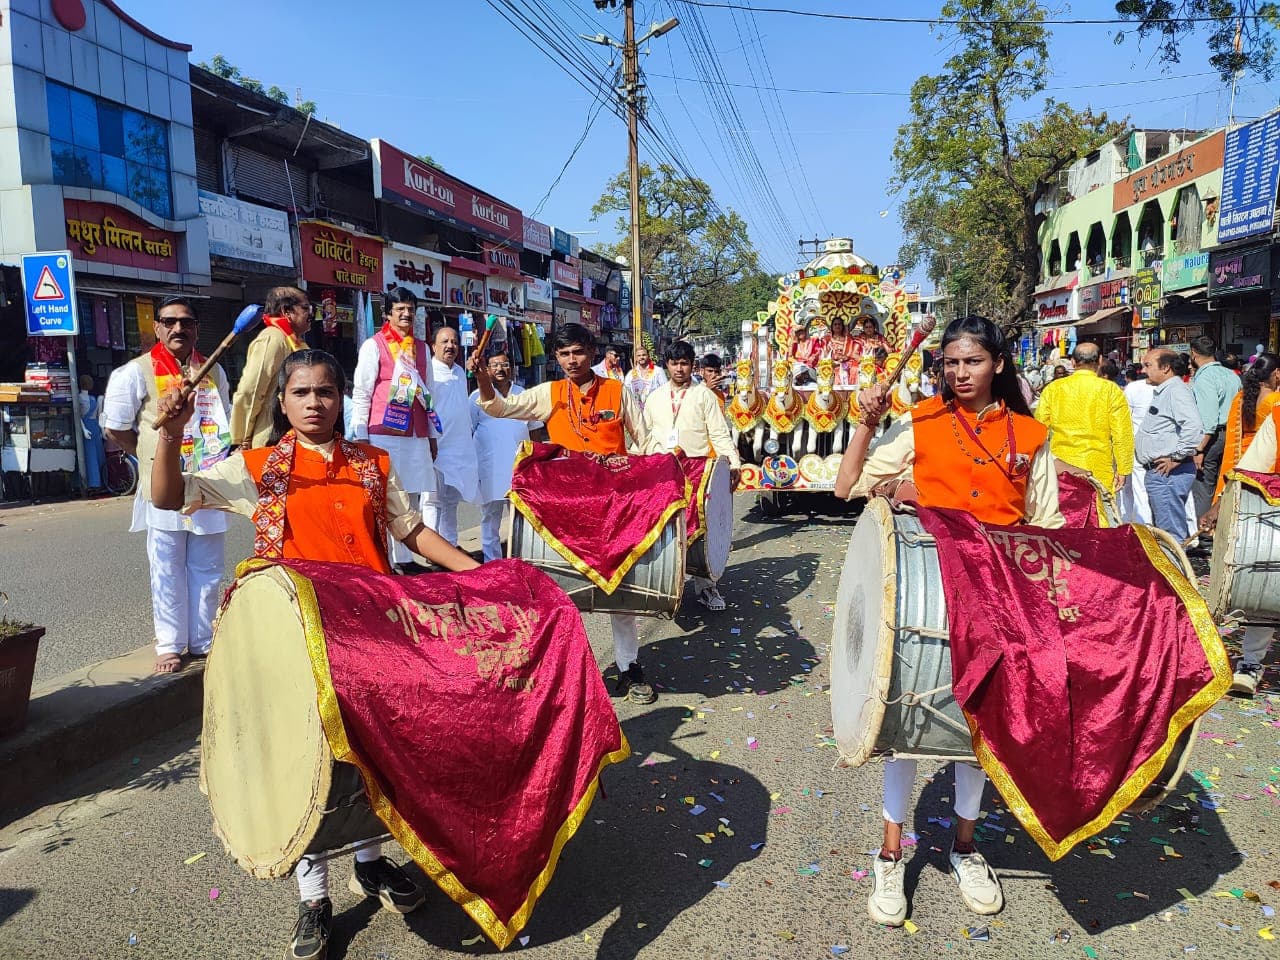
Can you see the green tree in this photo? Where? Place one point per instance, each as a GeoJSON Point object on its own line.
{"type": "Point", "coordinates": [224, 68]}
{"type": "Point", "coordinates": [723, 308]}
{"type": "Point", "coordinates": [428, 160]}
{"type": "Point", "coordinates": [974, 174]}
{"type": "Point", "coordinates": [690, 249]}
{"type": "Point", "coordinates": [1238, 33]}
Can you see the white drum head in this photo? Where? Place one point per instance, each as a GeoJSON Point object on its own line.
{"type": "Point", "coordinates": [863, 634]}
{"type": "Point", "coordinates": [265, 759]}
{"type": "Point", "coordinates": [717, 516]}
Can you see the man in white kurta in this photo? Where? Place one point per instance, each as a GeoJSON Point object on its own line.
{"type": "Point", "coordinates": [457, 469]}
{"type": "Point", "coordinates": [687, 415]}
{"type": "Point", "coordinates": [497, 441]}
{"type": "Point", "coordinates": [389, 356]}
{"type": "Point", "coordinates": [185, 553]}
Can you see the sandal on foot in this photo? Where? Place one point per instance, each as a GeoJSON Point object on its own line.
{"type": "Point", "coordinates": [168, 663]}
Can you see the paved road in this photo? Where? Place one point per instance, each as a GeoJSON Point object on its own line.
{"type": "Point", "coordinates": [74, 568]}
{"type": "Point", "coordinates": [104, 861]}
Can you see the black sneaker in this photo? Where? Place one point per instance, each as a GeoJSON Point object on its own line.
{"type": "Point", "coordinates": [1245, 681]}
{"type": "Point", "coordinates": [633, 686]}
{"type": "Point", "coordinates": [310, 939]}
{"type": "Point", "coordinates": [383, 879]}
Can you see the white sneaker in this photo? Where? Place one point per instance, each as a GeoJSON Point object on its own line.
{"type": "Point", "coordinates": [888, 901]}
{"type": "Point", "coordinates": [979, 885]}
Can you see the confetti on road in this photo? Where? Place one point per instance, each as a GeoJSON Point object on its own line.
{"type": "Point", "coordinates": [910, 927]}
{"type": "Point", "coordinates": [194, 859]}
{"type": "Point", "coordinates": [478, 938]}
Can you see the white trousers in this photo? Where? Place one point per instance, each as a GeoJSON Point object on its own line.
{"type": "Point", "coordinates": [1255, 643]}
{"type": "Point", "coordinates": [1134, 506]}
{"type": "Point", "coordinates": [491, 529]}
{"type": "Point", "coordinates": [899, 775]}
{"type": "Point", "coordinates": [313, 875]}
{"type": "Point", "coordinates": [186, 571]}
{"type": "Point", "coordinates": [702, 584]}
{"type": "Point", "coordinates": [440, 511]}
{"type": "Point", "coordinates": [626, 639]}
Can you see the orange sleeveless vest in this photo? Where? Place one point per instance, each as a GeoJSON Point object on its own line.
{"type": "Point", "coordinates": [327, 513]}
{"type": "Point", "coordinates": [945, 472]}
{"type": "Point", "coordinates": [601, 417]}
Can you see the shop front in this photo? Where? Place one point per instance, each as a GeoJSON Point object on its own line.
{"type": "Point", "coordinates": [342, 272]}
{"type": "Point", "coordinates": [422, 272]}
{"type": "Point", "coordinates": [250, 251]}
{"type": "Point", "coordinates": [1184, 304]}
{"type": "Point", "coordinates": [1240, 292]}
{"type": "Point", "coordinates": [1106, 315]}
{"type": "Point", "coordinates": [1057, 310]}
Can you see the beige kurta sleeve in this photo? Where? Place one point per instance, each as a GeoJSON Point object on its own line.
{"type": "Point", "coordinates": [718, 428]}
{"type": "Point", "coordinates": [226, 486]}
{"type": "Point", "coordinates": [634, 424]}
{"type": "Point", "coordinates": [531, 404]}
{"type": "Point", "coordinates": [1042, 491]}
{"type": "Point", "coordinates": [891, 459]}
{"type": "Point", "coordinates": [257, 385]}
{"type": "Point", "coordinates": [1261, 455]}
{"type": "Point", "coordinates": [402, 516]}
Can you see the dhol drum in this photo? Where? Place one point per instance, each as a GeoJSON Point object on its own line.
{"type": "Point", "coordinates": [709, 554]}
{"type": "Point", "coordinates": [651, 588]}
{"type": "Point", "coordinates": [1070, 477]}
{"type": "Point", "coordinates": [1244, 576]}
{"type": "Point", "coordinates": [891, 659]}
{"type": "Point", "coordinates": [275, 790]}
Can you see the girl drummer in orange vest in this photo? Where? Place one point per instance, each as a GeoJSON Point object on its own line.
{"type": "Point", "coordinates": [976, 448]}
{"type": "Point", "coordinates": [313, 496]}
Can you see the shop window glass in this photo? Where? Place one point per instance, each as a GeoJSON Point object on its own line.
{"type": "Point", "coordinates": [97, 143]}
{"type": "Point", "coordinates": [111, 129]}
{"type": "Point", "coordinates": [59, 112]}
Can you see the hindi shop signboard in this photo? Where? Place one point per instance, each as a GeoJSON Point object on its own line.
{"type": "Point", "coordinates": [245, 231]}
{"type": "Point", "coordinates": [1146, 297]}
{"type": "Point", "coordinates": [105, 233]}
{"type": "Point", "coordinates": [406, 180]}
{"type": "Point", "coordinates": [1104, 296]}
{"type": "Point", "coordinates": [336, 257]}
{"type": "Point", "coordinates": [1174, 170]}
{"type": "Point", "coordinates": [537, 236]}
{"type": "Point", "coordinates": [1249, 180]}
{"type": "Point", "coordinates": [415, 270]}
{"type": "Point", "coordinates": [1239, 271]}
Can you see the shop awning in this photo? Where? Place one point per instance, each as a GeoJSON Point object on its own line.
{"type": "Point", "coordinates": [108, 287]}
{"type": "Point", "coordinates": [1109, 320]}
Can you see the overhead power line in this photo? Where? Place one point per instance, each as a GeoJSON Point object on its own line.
{"type": "Point", "coordinates": [940, 21]}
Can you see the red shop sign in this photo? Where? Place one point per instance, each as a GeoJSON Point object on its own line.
{"type": "Point", "coordinates": [566, 275]}
{"type": "Point", "coordinates": [331, 255]}
{"type": "Point", "coordinates": [105, 233]}
{"type": "Point", "coordinates": [407, 180]}
{"type": "Point", "coordinates": [502, 259]}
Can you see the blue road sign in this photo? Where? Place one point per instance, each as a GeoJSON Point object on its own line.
{"type": "Point", "coordinates": [50, 290]}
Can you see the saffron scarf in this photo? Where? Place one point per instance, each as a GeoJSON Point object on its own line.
{"type": "Point", "coordinates": [284, 325]}
{"type": "Point", "coordinates": [273, 492]}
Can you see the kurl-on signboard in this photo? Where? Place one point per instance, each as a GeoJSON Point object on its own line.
{"type": "Point", "coordinates": [405, 180]}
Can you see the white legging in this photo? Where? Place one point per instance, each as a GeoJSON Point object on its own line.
{"type": "Point", "coordinates": [1254, 644]}
{"type": "Point", "coordinates": [313, 875]}
{"type": "Point", "coordinates": [899, 775]}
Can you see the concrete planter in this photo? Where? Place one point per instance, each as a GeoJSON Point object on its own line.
{"type": "Point", "coordinates": [17, 668]}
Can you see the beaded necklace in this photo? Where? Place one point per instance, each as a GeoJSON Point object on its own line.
{"type": "Point", "coordinates": [577, 421]}
{"type": "Point", "coordinates": [1009, 444]}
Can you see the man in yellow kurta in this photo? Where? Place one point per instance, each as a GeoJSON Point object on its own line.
{"type": "Point", "coordinates": [1088, 420]}
{"type": "Point", "coordinates": [286, 320]}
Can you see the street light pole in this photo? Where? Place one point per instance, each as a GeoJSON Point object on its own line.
{"type": "Point", "coordinates": [631, 75]}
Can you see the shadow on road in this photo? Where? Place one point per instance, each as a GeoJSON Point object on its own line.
{"type": "Point", "coordinates": [637, 855]}
{"type": "Point", "coordinates": [13, 900]}
{"type": "Point", "coordinates": [1096, 891]}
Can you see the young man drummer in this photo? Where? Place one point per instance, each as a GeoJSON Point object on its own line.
{"type": "Point", "coordinates": [688, 416]}
{"type": "Point", "coordinates": [338, 502]}
{"type": "Point", "coordinates": [977, 448]}
{"type": "Point", "coordinates": [584, 411]}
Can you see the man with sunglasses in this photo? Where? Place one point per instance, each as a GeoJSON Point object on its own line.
{"type": "Point", "coordinates": [285, 322]}
{"type": "Point", "coordinates": [185, 552]}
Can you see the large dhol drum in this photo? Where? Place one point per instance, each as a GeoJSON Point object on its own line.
{"type": "Point", "coordinates": [709, 554]}
{"type": "Point", "coordinates": [891, 657]}
{"type": "Point", "coordinates": [651, 588]}
{"type": "Point", "coordinates": [1244, 579]}
{"type": "Point", "coordinates": [275, 791]}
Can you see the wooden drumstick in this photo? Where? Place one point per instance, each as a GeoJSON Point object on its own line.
{"type": "Point", "coordinates": [248, 317]}
{"type": "Point", "coordinates": [922, 331]}
{"type": "Point", "coordinates": [490, 321]}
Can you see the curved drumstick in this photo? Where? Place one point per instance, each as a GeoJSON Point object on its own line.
{"type": "Point", "coordinates": [248, 317]}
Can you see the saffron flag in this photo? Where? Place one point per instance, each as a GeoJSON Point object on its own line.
{"type": "Point", "coordinates": [601, 513]}
{"type": "Point", "coordinates": [473, 707]}
{"type": "Point", "coordinates": [1079, 657]}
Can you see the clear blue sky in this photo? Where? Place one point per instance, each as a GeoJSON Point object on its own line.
{"type": "Point", "coordinates": [453, 79]}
